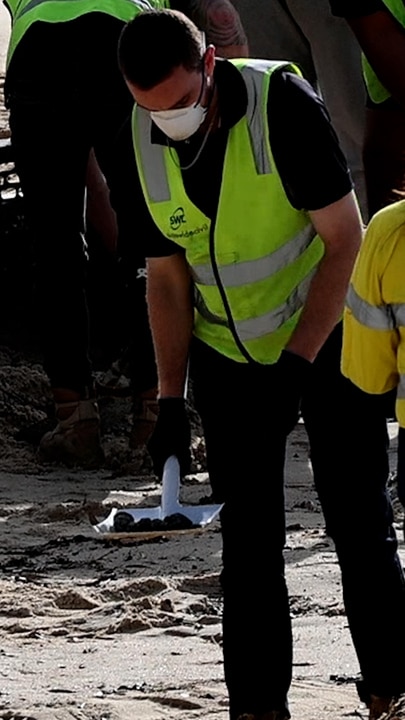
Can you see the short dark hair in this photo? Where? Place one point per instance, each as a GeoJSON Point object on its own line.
{"type": "Point", "coordinates": [156, 42]}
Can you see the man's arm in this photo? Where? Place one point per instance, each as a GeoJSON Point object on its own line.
{"type": "Point", "coordinates": [382, 40]}
{"type": "Point", "coordinates": [221, 23]}
{"type": "Point", "coordinates": [339, 225]}
{"type": "Point", "coordinates": [171, 319]}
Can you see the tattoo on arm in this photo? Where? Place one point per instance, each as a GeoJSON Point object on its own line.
{"type": "Point", "coordinates": [219, 20]}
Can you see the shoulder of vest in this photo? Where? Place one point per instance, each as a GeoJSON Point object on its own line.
{"type": "Point", "coordinates": [263, 66]}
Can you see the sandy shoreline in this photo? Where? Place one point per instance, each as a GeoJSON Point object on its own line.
{"type": "Point", "coordinates": [98, 629]}
{"type": "Point", "coordinates": [93, 629]}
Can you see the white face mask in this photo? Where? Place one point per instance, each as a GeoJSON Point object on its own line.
{"type": "Point", "coordinates": [180, 123]}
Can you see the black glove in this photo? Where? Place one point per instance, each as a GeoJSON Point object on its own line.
{"type": "Point", "coordinates": [291, 374]}
{"type": "Point", "coordinates": [171, 436]}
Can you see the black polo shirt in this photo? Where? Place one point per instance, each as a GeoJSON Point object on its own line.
{"type": "Point", "coordinates": [309, 160]}
{"type": "Point", "coordinates": [356, 8]}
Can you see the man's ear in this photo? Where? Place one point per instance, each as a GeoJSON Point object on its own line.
{"type": "Point", "coordinates": [210, 60]}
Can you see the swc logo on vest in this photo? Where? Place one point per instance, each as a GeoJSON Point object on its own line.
{"type": "Point", "coordinates": [177, 219]}
{"type": "Point", "coordinates": [177, 231]}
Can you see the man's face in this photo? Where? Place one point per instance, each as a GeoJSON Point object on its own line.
{"type": "Point", "coordinates": [180, 90]}
{"type": "Point", "coordinates": [179, 104]}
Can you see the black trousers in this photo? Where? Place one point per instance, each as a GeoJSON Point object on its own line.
{"type": "Point", "coordinates": [245, 457]}
{"type": "Point", "coordinates": [66, 95]}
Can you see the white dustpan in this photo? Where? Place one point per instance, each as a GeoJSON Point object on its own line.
{"type": "Point", "coordinates": [199, 515]}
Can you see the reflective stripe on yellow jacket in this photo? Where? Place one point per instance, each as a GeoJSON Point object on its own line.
{"type": "Point", "coordinates": [375, 88]}
{"type": "Point", "coordinates": [374, 319]}
{"type": "Point", "coordinates": [252, 266]}
{"type": "Point", "coordinates": [25, 12]}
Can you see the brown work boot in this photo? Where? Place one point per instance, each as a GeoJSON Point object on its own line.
{"type": "Point", "coordinates": [388, 708]}
{"type": "Point", "coordinates": [76, 438]}
{"type": "Point", "coordinates": [144, 416]}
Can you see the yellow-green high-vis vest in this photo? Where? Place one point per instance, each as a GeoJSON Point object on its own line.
{"type": "Point", "coordinates": [252, 267]}
{"type": "Point", "coordinates": [26, 12]}
{"type": "Point", "coordinates": [376, 90]}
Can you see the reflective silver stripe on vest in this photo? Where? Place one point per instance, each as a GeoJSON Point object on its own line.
{"type": "Point", "coordinates": [372, 316]}
{"type": "Point", "coordinates": [244, 273]}
{"type": "Point", "coordinates": [255, 328]}
{"type": "Point", "coordinates": [401, 388]}
{"type": "Point", "coordinates": [153, 160]}
{"type": "Point", "coordinates": [398, 311]}
{"type": "Point", "coordinates": [270, 322]}
{"type": "Point", "coordinates": [254, 115]}
{"type": "Point", "coordinates": [34, 3]}
{"type": "Point", "coordinates": [16, 9]}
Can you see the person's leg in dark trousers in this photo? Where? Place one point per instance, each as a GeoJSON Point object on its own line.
{"type": "Point", "coordinates": [51, 119]}
{"type": "Point", "coordinates": [401, 471]}
{"type": "Point", "coordinates": [401, 466]}
{"type": "Point", "coordinates": [125, 189]}
{"type": "Point", "coordinates": [348, 444]}
{"type": "Point", "coordinates": [51, 146]}
{"type": "Point", "coordinates": [245, 458]}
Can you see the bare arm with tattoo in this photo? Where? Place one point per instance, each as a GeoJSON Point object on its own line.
{"type": "Point", "coordinates": [221, 23]}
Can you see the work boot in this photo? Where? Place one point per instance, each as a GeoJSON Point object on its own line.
{"type": "Point", "coordinates": [76, 438]}
{"type": "Point", "coordinates": [144, 415]}
{"type": "Point", "coordinates": [387, 708]}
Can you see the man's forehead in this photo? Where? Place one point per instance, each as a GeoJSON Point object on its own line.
{"type": "Point", "coordinates": [172, 91]}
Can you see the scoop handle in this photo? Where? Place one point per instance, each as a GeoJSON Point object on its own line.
{"type": "Point", "coordinates": [170, 487]}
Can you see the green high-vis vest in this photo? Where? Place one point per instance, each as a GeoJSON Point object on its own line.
{"type": "Point", "coordinates": [26, 12]}
{"type": "Point", "coordinates": [253, 267]}
{"type": "Point", "coordinates": [376, 90]}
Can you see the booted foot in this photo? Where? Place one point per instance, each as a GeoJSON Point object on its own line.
{"type": "Point", "coordinates": [76, 439]}
{"type": "Point", "coordinates": [387, 708]}
{"type": "Point", "coordinates": [145, 412]}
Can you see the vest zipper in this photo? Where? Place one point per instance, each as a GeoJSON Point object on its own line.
{"type": "Point", "coordinates": [224, 298]}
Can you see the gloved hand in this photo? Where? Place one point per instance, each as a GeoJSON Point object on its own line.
{"type": "Point", "coordinates": [291, 374]}
{"type": "Point", "coordinates": [171, 436]}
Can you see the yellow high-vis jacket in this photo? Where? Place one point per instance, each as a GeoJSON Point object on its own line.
{"type": "Point", "coordinates": [373, 354]}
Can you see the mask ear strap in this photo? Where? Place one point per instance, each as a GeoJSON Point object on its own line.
{"type": "Point", "coordinates": [204, 78]}
{"type": "Point", "coordinates": [197, 102]}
